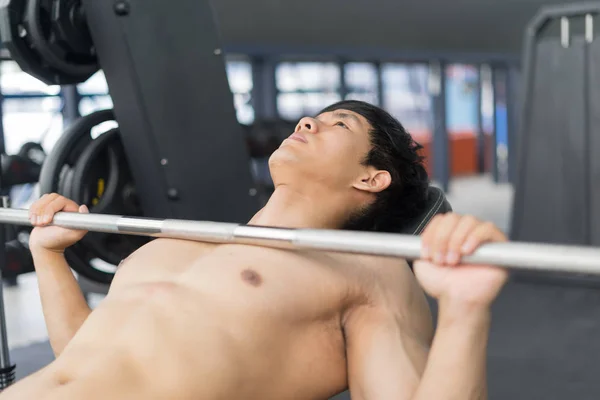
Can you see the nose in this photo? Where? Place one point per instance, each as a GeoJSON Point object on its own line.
{"type": "Point", "coordinates": [307, 124]}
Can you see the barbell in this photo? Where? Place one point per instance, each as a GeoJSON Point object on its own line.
{"type": "Point", "coordinates": [512, 255]}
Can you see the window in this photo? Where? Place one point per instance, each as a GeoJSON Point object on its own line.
{"type": "Point", "coordinates": [90, 104]}
{"type": "Point", "coordinates": [461, 98]}
{"type": "Point", "coordinates": [31, 109]}
{"type": "Point", "coordinates": [94, 94]}
{"type": "Point", "coordinates": [95, 85]}
{"type": "Point", "coordinates": [406, 95]}
{"type": "Point", "coordinates": [361, 82]}
{"type": "Point", "coordinates": [16, 82]}
{"type": "Point", "coordinates": [304, 88]}
{"type": "Point", "coordinates": [239, 74]}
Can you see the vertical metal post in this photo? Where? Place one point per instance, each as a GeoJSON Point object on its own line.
{"type": "Point", "coordinates": [343, 86]}
{"type": "Point", "coordinates": [71, 98]}
{"type": "Point", "coordinates": [493, 154]}
{"type": "Point", "coordinates": [7, 370]}
{"type": "Point", "coordinates": [513, 105]}
{"type": "Point", "coordinates": [441, 148]}
{"type": "Point", "coordinates": [2, 141]}
{"type": "Point", "coordinates": [264, 92]}
{"type": "Point", "coordinates": [380, 88]}
{"type": "Point", "coordinates": [480, 130]}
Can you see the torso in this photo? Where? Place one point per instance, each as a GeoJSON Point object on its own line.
{"type": "Point", "coordinates": [195, 320]}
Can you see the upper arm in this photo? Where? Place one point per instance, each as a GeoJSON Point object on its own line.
{"type": "Point", "coordinates": [386, 358]}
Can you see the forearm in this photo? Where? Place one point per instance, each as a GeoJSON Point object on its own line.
{"type": "Point", "coordinates": [456, 366]}
{"type": "Point", "coordinates": [63, 303]}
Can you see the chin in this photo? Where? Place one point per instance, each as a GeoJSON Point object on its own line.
{"type": "Point", "coordinates": [283, 155]}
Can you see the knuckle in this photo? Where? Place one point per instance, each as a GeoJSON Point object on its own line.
{"type": "Point", "coordinates": [489, 226]}
{"type": "Point", "coordinates": [52, 196]}
{"type": "Point", "coordinates": [436, 218]}
{"type": "Point", "coordinates": [451, 216]}
{"type": "Point", "coordinates": [470, 219]}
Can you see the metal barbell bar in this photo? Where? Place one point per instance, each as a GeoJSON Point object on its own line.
{"type": "Point", "coordinates": [513, 255]}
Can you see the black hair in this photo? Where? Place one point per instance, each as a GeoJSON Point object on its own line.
{"type": "Point", "coordinates": [393, 150]}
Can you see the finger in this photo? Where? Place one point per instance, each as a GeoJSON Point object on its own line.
{"type": "Point", "coordinates": [36, 209]}
{"type": "Point", "coordinates": [442, 237]}
{"type": "Point", "coordinates": [428, 235]}
{"type": "Point", "coordinates": [36, 204]}
{"type": "Point", "coordinates": [60, 203]}
{"type": "Point", "coordinates": [83, 209]}
{"type": "Point", "coordinates": [458, 237]}
{"type": "Point", "coordinates": [483, 233]}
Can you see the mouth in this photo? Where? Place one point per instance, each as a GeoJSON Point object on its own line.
{"type": "Point", "coordinates": [298, 137]}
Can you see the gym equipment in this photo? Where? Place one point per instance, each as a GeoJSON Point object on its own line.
{"type": "Point", "coordinates": [18, 258]}
{"type": "Point", "coordinates": [17, 170]}
{"type": "Point", "coordinates": [63, 157]}
{"type": "Point", "coordinates": [49, 39]}
{"type": "Point", "coordinates": [557, 196]}
{"type": "Point", "coordinates": [573, 259]}
{"type": "Point", "coordinates": [23, 167]}
{"type": "Point", "coordinates": [174, 122]}
{"type": "Point", "coordinates": [94, 172]}
{"type": "Point", "coordinates": [7, 369]}
{"type": "Point", "coordinates": [33, 151]}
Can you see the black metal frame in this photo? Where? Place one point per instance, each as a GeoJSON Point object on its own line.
{"type": "Point", "coordinates": [167, 110]}
{"type": "Point", "coordinates": [7, 369]}
{"type": "Point", "coordinates": [440, 140]}
{"type": "Point", "coordinates": [537, 23]}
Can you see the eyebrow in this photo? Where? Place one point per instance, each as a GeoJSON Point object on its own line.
{"type": "Point", "coordinates": [347, 116]}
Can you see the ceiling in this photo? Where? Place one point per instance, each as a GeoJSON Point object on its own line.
{"type": "Point", "coordinates": [399, 27]}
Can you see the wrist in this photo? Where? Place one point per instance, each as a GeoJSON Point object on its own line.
{"type": "Point", "coordinates": [461, 311]}
{"type": "Point", "coordinates": [43, 252]}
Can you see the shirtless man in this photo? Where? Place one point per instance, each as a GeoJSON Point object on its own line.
{"type": "Point", "coordinates": [189, 320]}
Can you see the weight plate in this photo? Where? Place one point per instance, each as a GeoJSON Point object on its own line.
{"type": "Point", "coordinates": [68, 148]}
{"type": "Point", "coordinates": [37, 40]}
{"type": "Point", "coordinates": [101, 180]}
{"type": "Point", "coordinates": [94, 172]}
{"type": "Point", "coordinates": [46, 36]}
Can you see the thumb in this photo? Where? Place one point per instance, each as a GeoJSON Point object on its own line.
{"type": "Point", "coordinates": [83, 209]}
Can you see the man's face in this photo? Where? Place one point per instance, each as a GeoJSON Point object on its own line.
{"type": "Point", "coordinates": [328, 149]}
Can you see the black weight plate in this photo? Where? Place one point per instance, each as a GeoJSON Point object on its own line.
{"type": "Point", "coordinates": [17, 40]}
{"type": "Point", "coordinates": [100, 180]}
{"type": "Point", "coordinates": [70, 27]}
{"type": "Point", "coordinates": [44, 38]}
{"type": "Point", "coordinates": [66, 182]}
{"type": "Point", "coordinates": [57, 176]}
{"type": "Point", "coordinates": [68, 148]}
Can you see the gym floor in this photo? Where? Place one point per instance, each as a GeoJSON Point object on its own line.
{"type": "Point", "coordinates": [543, 342]}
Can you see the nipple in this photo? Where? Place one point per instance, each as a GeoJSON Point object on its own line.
{"type": "Point", "coordinates": [252, 277]}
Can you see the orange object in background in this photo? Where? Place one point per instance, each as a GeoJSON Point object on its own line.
{"type": "Point", "coordinates": [463, 152]}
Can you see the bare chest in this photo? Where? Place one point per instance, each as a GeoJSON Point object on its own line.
{"type": "Point", "coordinates": [256, 279]}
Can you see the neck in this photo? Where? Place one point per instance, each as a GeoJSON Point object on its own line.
{"type": "Point", "coordinates": [291, 208]}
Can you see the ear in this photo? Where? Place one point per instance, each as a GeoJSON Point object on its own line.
{"type": "Point", "coordinates": [373, 181]}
